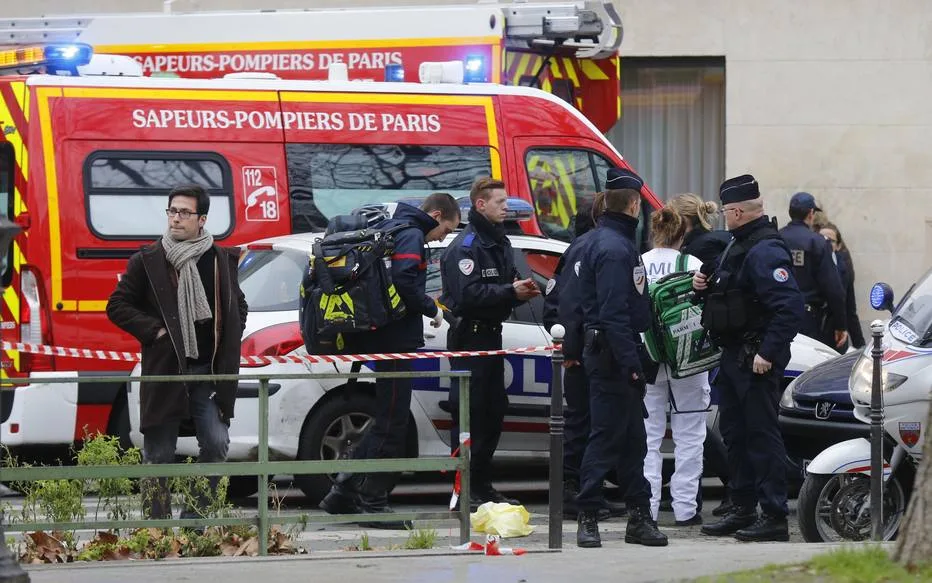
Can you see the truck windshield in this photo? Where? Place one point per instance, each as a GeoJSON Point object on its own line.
{"type": "Point", "coordinates": [912, 320]}
{"type": "Point", "coordinates": [6, 208]}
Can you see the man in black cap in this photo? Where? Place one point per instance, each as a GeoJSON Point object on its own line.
{"type": "Point", "coordinates": [752, 309]}
{"type": "Point", "coordinates": [815, 273]}
{"type": "Point", "coordinates": [616, 309]}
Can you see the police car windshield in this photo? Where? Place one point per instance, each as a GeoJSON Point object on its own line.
{"type": "Point", "coordinates": [915, 314]}
{"type": "Point", "coordinates": [270, 279]}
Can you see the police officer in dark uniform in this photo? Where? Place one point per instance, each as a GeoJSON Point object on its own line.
{"type": "Point", "coordinates": [616, 308]}
{"type": "Point", "coordinates": [436, 218]}
{"type": "Point", "coordinates": [561, 306]}
{"type": "Point", "coordinates": [481, 287]}
{"type": "Point", "coordinates": [752, 309]}
{"type": "Point", "coordinates": [816, 273]}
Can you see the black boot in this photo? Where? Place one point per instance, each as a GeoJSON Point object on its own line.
{"type": "Point", "coordinates": [740, 517]}
{"type": "Point", "coordinates": [642, 530]}
{"type": "Point", "coordinates": [341, 499]}
{"type": "Point", "coordinates": [372, 498]}
{"type": "Point", "coordinates": [587, 530]}
{"type": "Point", "coordinates": [488, 493]}
{"type": "Point", "coordinates": [767, 528]}
{"type": "Point", "coordinates": [570, 490]}
{"type": "Point", "coordinates": [725, 507]}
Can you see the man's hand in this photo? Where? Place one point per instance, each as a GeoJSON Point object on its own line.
{"type": "Point", "coordinates": [761, 364]}
{"type": "Point", "coordinates": [526, 289]}
{"type": "Point", "coordinates": [841, 336]}
{"type": "Point", "coordinates": [700, 281]}
{"type": "Point", "coordinates": [570, 363]}
{"type": "Point", "coordinates": [437, 320]}
{"type": "Point", "coordinates": [160, 333]}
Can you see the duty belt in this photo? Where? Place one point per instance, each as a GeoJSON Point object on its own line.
{"type": "Point", "coordinates": [814, 308]}
{"type": "Point", "coordinates": [483, 326]}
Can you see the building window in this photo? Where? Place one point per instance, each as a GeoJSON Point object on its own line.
{"type": "Point", "coordinates": [672, 127]}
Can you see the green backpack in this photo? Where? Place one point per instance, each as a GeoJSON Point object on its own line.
{"type": "Point", "coordinates": [676, 337]}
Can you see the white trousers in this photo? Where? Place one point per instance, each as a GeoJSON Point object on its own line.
{"type": "Point", "coordinates": [691, 394]}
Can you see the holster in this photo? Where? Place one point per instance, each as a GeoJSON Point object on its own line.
{"type": "Point", "coordinates": [455, 332]}
{"type": "Point", "coordinates": [748, 350]}
{"type": "Point", "coordinates": [596, 351]}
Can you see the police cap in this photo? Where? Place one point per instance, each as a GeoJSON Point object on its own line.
{"type": "Point", "coordinates": [620, 178]}
{"type": "Point", "coordinates": [804, 202]}
{"type": "Point", "coordinates": [738, 189]}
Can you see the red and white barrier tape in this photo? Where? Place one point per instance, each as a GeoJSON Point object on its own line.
{"type": "Point", "coordinates": [260, 360]}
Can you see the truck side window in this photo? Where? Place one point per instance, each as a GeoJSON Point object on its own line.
{"type": "Point", "coordinates": [325, 180]}
{"type": "Point", "coordinates": [127, 191]}
{"type": "Point", "coordinates": [560, 178]}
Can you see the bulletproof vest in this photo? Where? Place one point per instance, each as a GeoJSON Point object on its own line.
{"type": "Point", "coordinates": [803, 260]}
{"type": "Point", "coordinates": [731, 312]}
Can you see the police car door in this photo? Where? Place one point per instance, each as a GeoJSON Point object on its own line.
{"type": "Point", "coordinates": [527, 376]}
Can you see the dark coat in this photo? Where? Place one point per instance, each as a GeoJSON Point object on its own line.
{"type": "Point", "coordinates": [145, 300]}
{"type": "Point", "coordinates": [409, 275]}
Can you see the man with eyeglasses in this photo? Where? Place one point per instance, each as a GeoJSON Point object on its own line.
{"type": "Point", "coordinates": [180, 297]}
{"type": "Point", "coordinates": [752, 309]}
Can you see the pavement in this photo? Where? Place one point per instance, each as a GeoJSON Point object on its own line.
{"type": "Point", "coordinates": [329, 552]}
{"type": "Point", "coordinates": [615, 561]}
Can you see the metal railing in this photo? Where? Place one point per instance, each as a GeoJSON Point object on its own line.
{"type": "Point", "coordinates": [263, 469]}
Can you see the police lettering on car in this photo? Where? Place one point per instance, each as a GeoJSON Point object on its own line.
{"type": "Point", "coordinates": [816, 274]}
{"type": "Point", "coordinates": [562, 306]}
{"type": "Point", "coordinates": [480, 288]}
{"type": "Point", "coordinates": [752, 310]}
{"type": "Point", "coordinates": [436, 218]}
{"type": "Point", "coordinates": [612, 280]}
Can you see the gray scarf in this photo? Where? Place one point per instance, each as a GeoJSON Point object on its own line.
{"type": "Point", "coordinates": [192, 299]}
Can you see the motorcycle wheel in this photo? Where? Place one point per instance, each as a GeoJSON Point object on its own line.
{"type": "Point", "coordinates": [837, 508]}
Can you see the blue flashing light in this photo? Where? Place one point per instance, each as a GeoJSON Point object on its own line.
{"type": "Point", "coordinates": [474, 70]}
{"type": "Point", "coordinates": [518, 209]}
{"type": "Point", "coordinates": [67, 57]}
{"type": "Point", "coordinates": [881, 296]}
{"type": "Point", "coordinates": [395, 73]}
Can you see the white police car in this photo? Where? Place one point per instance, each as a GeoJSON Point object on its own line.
{"type": "Point", "coordinates": [313, 420]}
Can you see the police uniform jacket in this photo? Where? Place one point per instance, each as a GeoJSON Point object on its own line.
{"type": "Point", "coordinates": [707, 246]}
{"type": "Point", "coordinates": [478, 272]}
{"type": "Point", "coordinates": [613, 286]}
{"type": "Point", "coordinates": [409, 276]}
{"type": "Point", "coordinates": [815, 271]}
{"type": "Point", "coordinates": [563, 298]}
{"type": "Point", "coordinates": [765, 276]}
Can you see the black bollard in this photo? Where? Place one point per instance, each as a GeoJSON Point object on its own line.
{"type": "Point", "coordinates": [10, 570]}
{"type": "Point", "coordinates": [555, 524]}
{"type": "Point", "coordinates": [877, 433]}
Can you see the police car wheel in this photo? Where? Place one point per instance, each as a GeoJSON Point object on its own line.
{"type": "Point", "coordinates": [332, 432]}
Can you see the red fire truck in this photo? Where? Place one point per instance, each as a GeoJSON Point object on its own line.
{"type": "Point", "coordinates": [87, 158]}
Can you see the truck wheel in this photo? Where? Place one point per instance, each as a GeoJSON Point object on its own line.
{"type": "Point", "coordinates": [837, 508]}
{"type": "Point", "coordinates": [330, 433]}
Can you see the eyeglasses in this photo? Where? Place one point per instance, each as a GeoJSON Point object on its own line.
{"type": "Point", "coordinates": [185, 214]}
{"type": "Point", "coordinates": [724, 210]}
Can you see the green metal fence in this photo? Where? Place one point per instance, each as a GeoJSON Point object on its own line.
{"type": "Point", "coordinates": [263, 468]}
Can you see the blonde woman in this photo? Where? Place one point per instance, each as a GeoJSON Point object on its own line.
{"type": "Point", "coordinates": [690, 395]}
{"type": "Point", "coordinates": [700, 240]}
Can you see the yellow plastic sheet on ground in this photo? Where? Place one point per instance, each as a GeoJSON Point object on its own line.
{"type": "Point", "coordinates": [504, 520]}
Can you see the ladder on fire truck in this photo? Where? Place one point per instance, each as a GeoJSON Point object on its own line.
{"type": "Point", "coordinates": [585, 29]}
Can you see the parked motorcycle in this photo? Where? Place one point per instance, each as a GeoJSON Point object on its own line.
{"type": "Point", "coordinates": [834, 502]}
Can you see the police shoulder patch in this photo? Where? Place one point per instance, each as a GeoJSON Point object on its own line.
{"type": "Point", "coordinates": [639, 276]}
{"type": "Point", "coordinates": [551, 283]}
{"type": "Point", "coordinates": [466, 266]}
{"type": "Point", "coordinates": [780, 275]}
{"type": "Point", "coordinates": [576, 267]}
